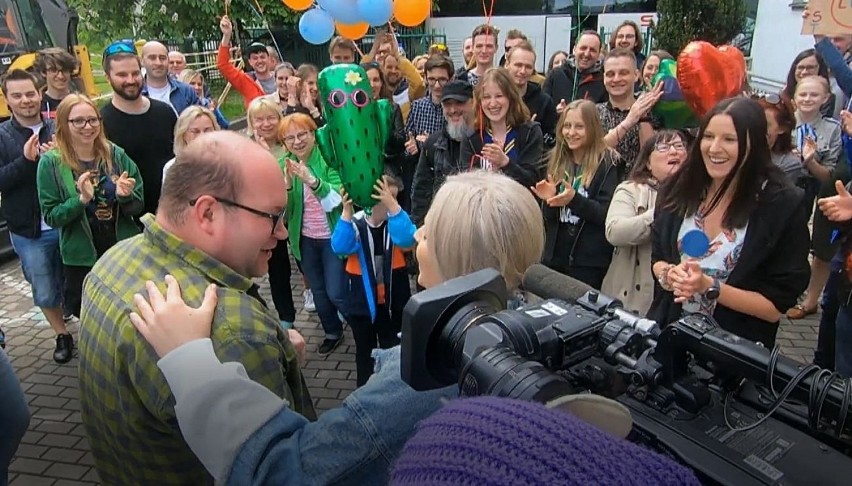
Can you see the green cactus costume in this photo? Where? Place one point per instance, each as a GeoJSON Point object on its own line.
{"type": "Point", "coordinates": [356, 130]}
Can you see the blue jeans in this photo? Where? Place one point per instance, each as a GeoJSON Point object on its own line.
{"type": "Point", "coordinates": [326, 276]}
{"type": "Point", "coordinates": [14, 415]}
{"type": "Point", "coordinates": [42, 265]}
{"type": "Point", "coordinates": [843, 342]}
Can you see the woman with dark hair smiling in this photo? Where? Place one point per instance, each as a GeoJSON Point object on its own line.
{"type": "Point", "coordinates": [755, 262]}
{"type": "Point", "coordinates": [629, 219]}
{"type": "Point", "coordinates": [807, 63]}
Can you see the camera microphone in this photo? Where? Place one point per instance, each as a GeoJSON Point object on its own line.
{"type": "Point", "coordinates": [550, 284]}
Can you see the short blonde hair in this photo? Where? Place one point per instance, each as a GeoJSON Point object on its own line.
{"type": "Point", "coordinates": [258, 105]}
{"type": "Point", "coordinates": [501, 227]}
{"type": "Point", "coordinates": [185, 119]}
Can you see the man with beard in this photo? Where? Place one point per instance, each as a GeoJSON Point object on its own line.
{"type": "Point", "coordinates": [23, 138]}
{"type": "Point", "coordinates": [158, 85]}
{"type": "Point", "coordinates": [143, 127]}
{"type": "Point", "coordinates": [580, 77]}
{"type": "Point", "coordinates": [520, 63]}
{"type": "Point", "coordinates": [441, 153]}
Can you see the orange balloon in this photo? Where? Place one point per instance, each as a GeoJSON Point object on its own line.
{"type": "Point", "coordinates": [299, 5]}
{"type": "Point", "coordinates": [352, 31]}
{"type": "Point", "coordinates": [411, 13]}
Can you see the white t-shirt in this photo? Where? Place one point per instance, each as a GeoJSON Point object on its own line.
{"type": "Point", "coordinates": [36, 130]}
{"type": "Point", "coordinates": [161, 94]}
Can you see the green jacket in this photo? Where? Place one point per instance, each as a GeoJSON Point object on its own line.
{"type": "Point", "coordinates": [329, 185]}
{"type": "Point", "coordinates": [62, 209]}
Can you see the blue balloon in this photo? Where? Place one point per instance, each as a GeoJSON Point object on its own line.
{"type": "Point", "coordinates": [375, 12]}
{"type": "Point", "coordinates": [343, 11]}
{"type": "Point", "coordinates": [695, 243]}
{"type": "Point", "coordinates": [316, 26]}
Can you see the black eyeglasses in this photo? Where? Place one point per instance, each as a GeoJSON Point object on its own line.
{"type": "Point", "coordinates": [275, 218]}
{"type": "Point", "coordinates": [82, 122]}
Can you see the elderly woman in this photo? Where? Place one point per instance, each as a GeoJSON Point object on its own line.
{"type": "Point", "coordinates": [263, 117]}
{"type": "Point", "coordinates": [191, 123]}
{"type": "Point", "coordinates": [267, 443]}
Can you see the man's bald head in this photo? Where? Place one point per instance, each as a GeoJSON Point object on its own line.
{"type": "Point", "coordinates": [155, 60]}
{"type": "Point", "coordinates": [217, 163]}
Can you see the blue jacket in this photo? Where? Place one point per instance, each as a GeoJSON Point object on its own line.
{"type": "Point", "coordinates": [181, 97]}
{"type": "Point", "coordinates": [834, 59]}
{"type": "Point", "coordinates": [18, 178]}
{"type": "Point", "coordinates": [355, 241]}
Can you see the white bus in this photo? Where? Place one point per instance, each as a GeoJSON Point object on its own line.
{"type": "Point", "coordinates": [771, 38]}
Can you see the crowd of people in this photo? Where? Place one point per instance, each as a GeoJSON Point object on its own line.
{"type": "Point", "coordinates": [488, 165]}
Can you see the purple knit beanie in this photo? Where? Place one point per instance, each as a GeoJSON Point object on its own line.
{"type": "Point", "coordinates": [500, 441]}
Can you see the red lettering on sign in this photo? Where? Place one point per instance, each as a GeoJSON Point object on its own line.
{"type": "Point", "coordinates": [646, 20]}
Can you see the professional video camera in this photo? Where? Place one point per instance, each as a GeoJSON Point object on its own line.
{"type": "Point", "coordinates": [732, 410]}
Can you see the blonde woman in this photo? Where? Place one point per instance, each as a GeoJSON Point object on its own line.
{"type": "Point", "coordinates": [506, 139]}
{"type": "Point", "coordinates": [629, 219]}
{"type": "Point", "coordinates": [500, 228]}
{"type": "Point", "coordinates": [263, 117]}
{"type": "Point", "coordinates": [88, 189]}
{"type": "Point", "coordinates": [581, 179]}
{"type": "Point", "coordinates": [191, 123]}
{"type": "Point", "coordinates": [196, 81]}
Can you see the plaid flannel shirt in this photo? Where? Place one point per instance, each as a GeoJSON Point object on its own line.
{"type": "Point", "coordinates": [425, 117]}
{"type": "Point", "coordinates": [127, 407]}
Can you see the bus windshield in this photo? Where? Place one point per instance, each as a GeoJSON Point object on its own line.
{"type": "Point", "coordinates": [22, 27]}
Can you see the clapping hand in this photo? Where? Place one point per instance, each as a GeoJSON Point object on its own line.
{"type": "Point", "coordinates": [31, 148]}
{"type": "Point", "coordinates": [545, 189]}
{"type": "Point", "coordinates": [687, 280]}
{"type": "Point", "coordinates": [493, 152]}
{"type": "Point", "coordinates": [839, 207]}
{"type": "Point", "coordinates": [300, 170]}
{"type": "Point", "coordinates": [85, 187]}
{"type": "Point", "coordinates": [411, 145]}
{"type": "Point", "coordinates": [124, 185]}
{"type": "Point", "coordinates": [846, 122]}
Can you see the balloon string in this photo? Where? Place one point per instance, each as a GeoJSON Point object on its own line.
{"type": "Point", "coordinates": [488, 12]}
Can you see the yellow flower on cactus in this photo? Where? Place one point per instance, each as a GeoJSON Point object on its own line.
{"type": "Point", "coordinates": [352, 78]}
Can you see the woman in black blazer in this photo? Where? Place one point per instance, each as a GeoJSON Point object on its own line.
{"type": "Point", "coordinates": [756, 264]}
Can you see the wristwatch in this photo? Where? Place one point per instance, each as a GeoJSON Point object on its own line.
{"type": "Point", "coordinates": [712, 293]}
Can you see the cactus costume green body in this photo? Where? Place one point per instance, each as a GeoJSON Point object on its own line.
{"type": "Point", "coordinates": [356, 130]}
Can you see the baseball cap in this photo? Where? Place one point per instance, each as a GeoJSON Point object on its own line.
{"type": "Point", "coordinates": [256, 47]}
{"type": "Point", "coordinates": [457, 90]}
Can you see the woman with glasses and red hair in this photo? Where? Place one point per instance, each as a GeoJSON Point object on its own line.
{"type": "Point", "coordinates": [314, 206]}
{"type": "Point", "coordinates": [89, 189]}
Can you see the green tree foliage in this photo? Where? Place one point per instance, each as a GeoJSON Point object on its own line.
{"type": "Point", "coordinates": [174, 19]}
{"type": "Point", "coordinates": [683, 21]}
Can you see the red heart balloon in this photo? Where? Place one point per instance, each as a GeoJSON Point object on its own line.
{"type": "Point", "coordinates": [708, 75]}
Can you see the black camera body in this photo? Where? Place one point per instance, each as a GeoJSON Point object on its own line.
{"type": "Point", "coordinates": [696, 391]}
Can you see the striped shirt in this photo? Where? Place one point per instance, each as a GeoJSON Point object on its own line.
{"type": "Point", "coordinates": [127, 406]}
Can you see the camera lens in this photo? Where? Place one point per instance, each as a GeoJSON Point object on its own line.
{"type": "Point", "coordinates": [501, 372]}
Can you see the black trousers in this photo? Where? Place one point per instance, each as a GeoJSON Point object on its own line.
{"type": "Point", "coordinates": [384, 334]}
{"type": "Point", "coordinates": [824, 352]}
{"type": "Point", "coordinates": [73, 292]}
{"type": "Point", "coordinates": [279, 282]}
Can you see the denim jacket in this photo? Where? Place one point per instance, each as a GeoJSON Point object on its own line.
{"type": "Point", "coordinates": [244, 434]}
{"type": "Point", "coordinates": [182, 96]}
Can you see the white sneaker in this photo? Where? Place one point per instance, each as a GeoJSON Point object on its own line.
{"type": "Point", "coordinates": [309, 305]}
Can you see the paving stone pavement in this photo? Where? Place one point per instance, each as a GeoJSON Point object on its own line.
{"type": "Point", "coordinates": [55, 451]}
